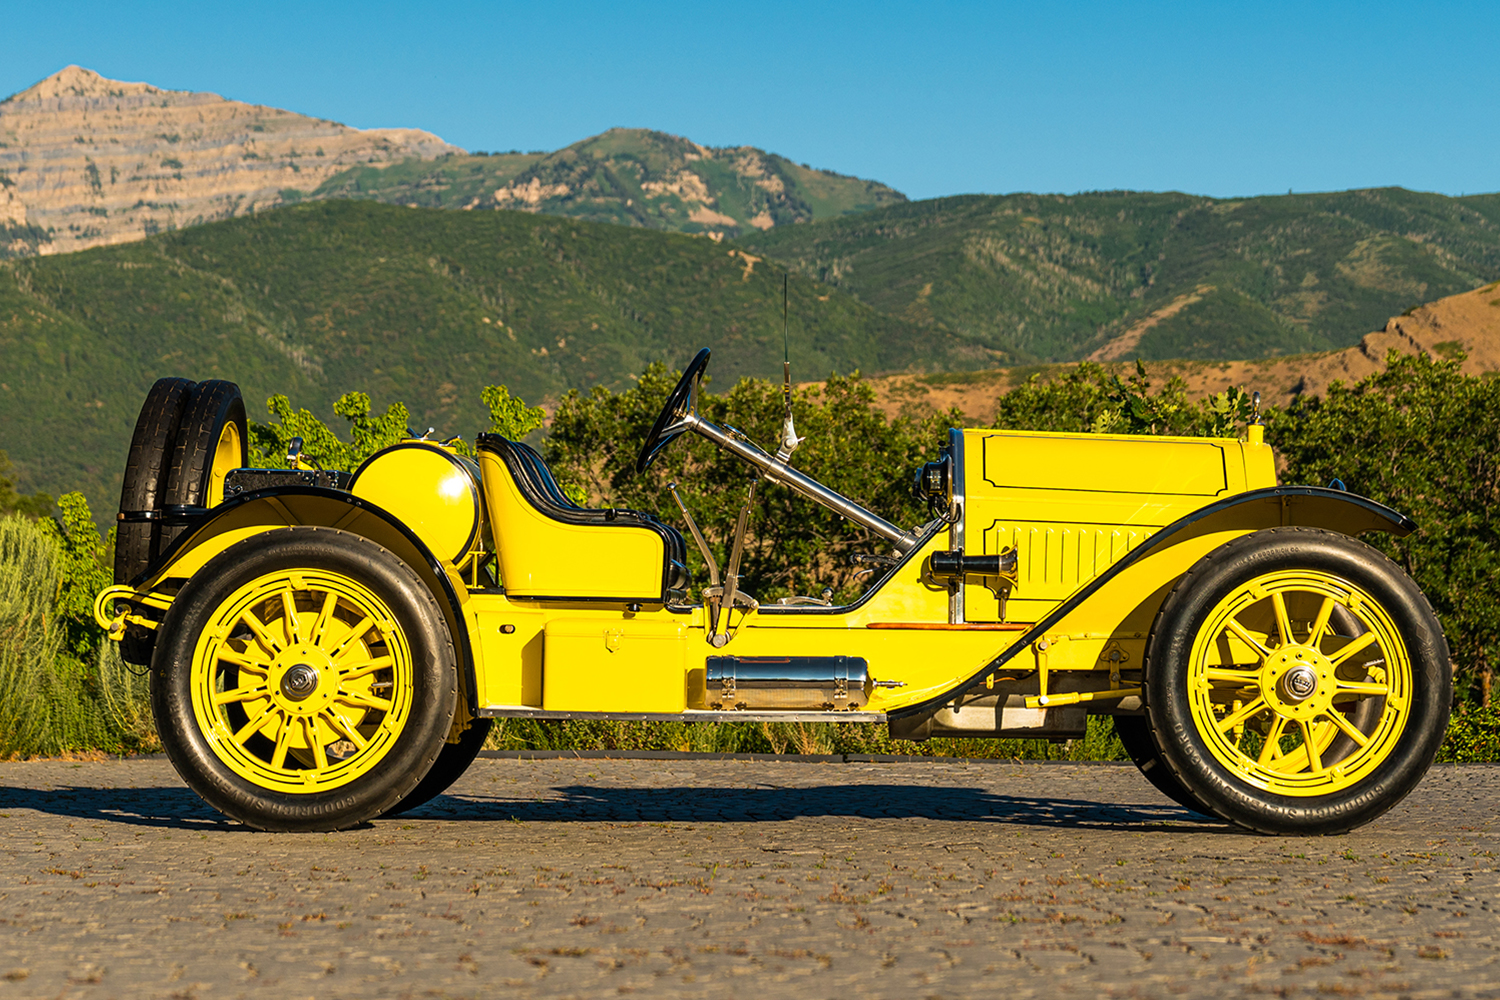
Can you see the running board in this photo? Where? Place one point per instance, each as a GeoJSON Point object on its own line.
{"type": "Point", "coordinates": [691, 715]}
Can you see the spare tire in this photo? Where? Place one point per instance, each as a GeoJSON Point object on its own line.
{"type": "Point", "coordinates": [142, 495]}
{"type": "Point", "coordinates": [211, 441]}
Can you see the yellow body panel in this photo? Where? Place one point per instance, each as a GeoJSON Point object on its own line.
{"type": "Point", "coordinates": [431, 489]}
{"type": "Point", "coordinates": [615, 665]}
{"type": "Point", "coordinates": [1072, 505]}
{"type": "Point", "coordinates": [541, 557]}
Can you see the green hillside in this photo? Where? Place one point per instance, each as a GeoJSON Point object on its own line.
{"type": "Point", "coordinates": [633, 177]}
{"type": "Point", "coordinates": [1053, 277]}
{"type": "Point", "coordinates": [421, 306]}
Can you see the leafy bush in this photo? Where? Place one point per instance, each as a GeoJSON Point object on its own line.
{"type": "Point", "coordinates": [35, 505]}
{"type": "Point", "coordinates": [62, 689]}
{"type": "Point", "coordinates": [323, 449]}
{"type": "Point", "coordinates": [1089, 399]}
{"type": "Point", "coordinates": [1473, 735]}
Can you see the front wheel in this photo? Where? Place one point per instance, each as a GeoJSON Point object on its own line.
{"type": "Point", "coordinates": [1297, 681]}
{"type": "Point", "coordinates": [304, 679]}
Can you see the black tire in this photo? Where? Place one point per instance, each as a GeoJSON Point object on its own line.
{"type": "Point", "coordinates": [451, 764]}
{"type": "Point", "coordinates": [1135, 733]}
{"type": "Point", "coordinates": [138, 542]}
{"type": "Point", "coordinates": [402, 760]}
{"type": "Point", "coordinates": [213, 433]}
{"type": "Point", "coordinates": [1403, 752]}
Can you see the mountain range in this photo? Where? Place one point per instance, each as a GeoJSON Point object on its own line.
{"type": "Point", "coordinates": [416, 305]}
{"type": "Point", "coordinates": [1121, 274]}
{"type": "Point", "coordinates": [632, 177]}
{"type": "Point", "coordinates": [1463, 328]}
{"type": "Point", "coordinates": [87, 161]}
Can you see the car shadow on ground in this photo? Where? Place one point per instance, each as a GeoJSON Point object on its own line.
{"type": "Point", "coordinates": [178, 807]}
{"type": "Point", "coordinates": [696, 804]}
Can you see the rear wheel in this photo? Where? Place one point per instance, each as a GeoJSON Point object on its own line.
{"type": "Point", "coordinates": [211, 441]}
{"type": "Point", "coordinates": [1297, 681]}
{"type": "Point", "coordinates": [138, 533]}
{"type": "Point", "coordinates": [451, 764]}
{"type": "Point", "coordinates": [143, 492]}
{"type": "Point", "coordinates": [304, 679]}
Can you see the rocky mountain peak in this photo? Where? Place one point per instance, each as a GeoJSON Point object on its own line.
{"type": "Point", "coordinates": [73, 82]}
{"type": "Point", "coordinates": [87, 161]}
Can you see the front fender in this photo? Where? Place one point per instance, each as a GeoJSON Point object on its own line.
{"type": "Point", "coordinates": [255, 513]}
{"type": "Point", "coordinates": [1124, 598]}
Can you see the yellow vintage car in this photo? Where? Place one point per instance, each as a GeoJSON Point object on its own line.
{"type": "Point", "coordinates": [326, 649]}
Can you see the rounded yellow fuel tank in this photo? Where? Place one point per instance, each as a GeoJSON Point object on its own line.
{"type": "Point", "coordinates": [431, 489]}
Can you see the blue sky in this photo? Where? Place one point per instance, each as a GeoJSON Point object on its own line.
{"type": "Point", "coordinates": [933, 98]}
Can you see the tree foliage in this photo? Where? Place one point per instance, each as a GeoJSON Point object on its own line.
{"type": "Point", "coordinates": [1089, 399]}
{"type": "Point", "coordinates": [12, 502]}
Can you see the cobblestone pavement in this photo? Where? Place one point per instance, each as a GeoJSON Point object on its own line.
{"type": "Point", "coordinates": [740, 878]}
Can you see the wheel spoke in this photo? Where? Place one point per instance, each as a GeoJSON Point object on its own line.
{"type": "Point", "coordinates": [354, 633]}
{"type": "Point", "coordinates": [259, 628]}
{"type": "Point", "coordinates": [1314, 760]}
{"type": "Point", "coordinates": [1246, 636]}
{"type": "Point", "coordinates": [1348, 728]}
{"type": "Point", "coordinates": [1238, 718]}
{"type": "Point", "coordinates": [1337, 659]}
{"type": "Point", "coordinates": [364, 700]}
{"type": "Point", "coordinates": [361, 669]}
{"type": "Point", "coordinates": [310, 730]}
{"type": "Point", "coordinates": [1283, 621]}
{"type": "Point", "coordinates": [243, 661]}
{"type": "Point", "coordinates": [324, 616]}
{"type": "Point", "coordinates": [253, 726]}
{"type": "Point", "coordinates": [291, 621]}
{"type": "Point", "coordinates": [241, 694]}
{"type": "Point", "coordinates": [1320, 624]}
{"type": "Point", "coordinates": [353, 735]}
{"type": "Point", "coordinates": [1272, 749]}
{"type": "Point", "coordinates": [283, 734]}
{"type": "Point", "coordinates": [1221, 675]}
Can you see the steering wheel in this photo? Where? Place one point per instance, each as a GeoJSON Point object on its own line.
{"type": "Point", "coordinates": [677, 407]}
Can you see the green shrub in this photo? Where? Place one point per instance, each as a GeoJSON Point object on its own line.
{"type": "Point", "coordinates": [1473, 735]}
{"type": "Point", "coordinates": [52, 699]}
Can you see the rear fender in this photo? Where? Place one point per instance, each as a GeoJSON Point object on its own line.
{"type": "Point", "coordinates": [1114, 610]}
{"type": "Point", "coordinates": [256, 513]}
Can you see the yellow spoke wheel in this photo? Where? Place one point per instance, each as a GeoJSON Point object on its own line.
{"type": "Point", "coordinates": [1297, 682]}
{"type": "Point", "coordinates": [306, 680]}
{"type": "Point", "coordinates": [1283, 699]}
{"type": "Point", "coordinates": [302, 680]}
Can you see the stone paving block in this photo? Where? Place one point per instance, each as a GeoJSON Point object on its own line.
{"type": "Point", "coordinates": [740, 878]}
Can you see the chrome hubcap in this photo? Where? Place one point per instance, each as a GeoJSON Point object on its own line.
{"type": "Point", "coordinates": [299, 682]}
{"type": "Point", "coordinates": [1298, 683]}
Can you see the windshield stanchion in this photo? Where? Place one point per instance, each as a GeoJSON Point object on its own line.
{"type": "Point", "coordinates": [732, 575]}
{"type": "Point", "coordinates": [778, 471]}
